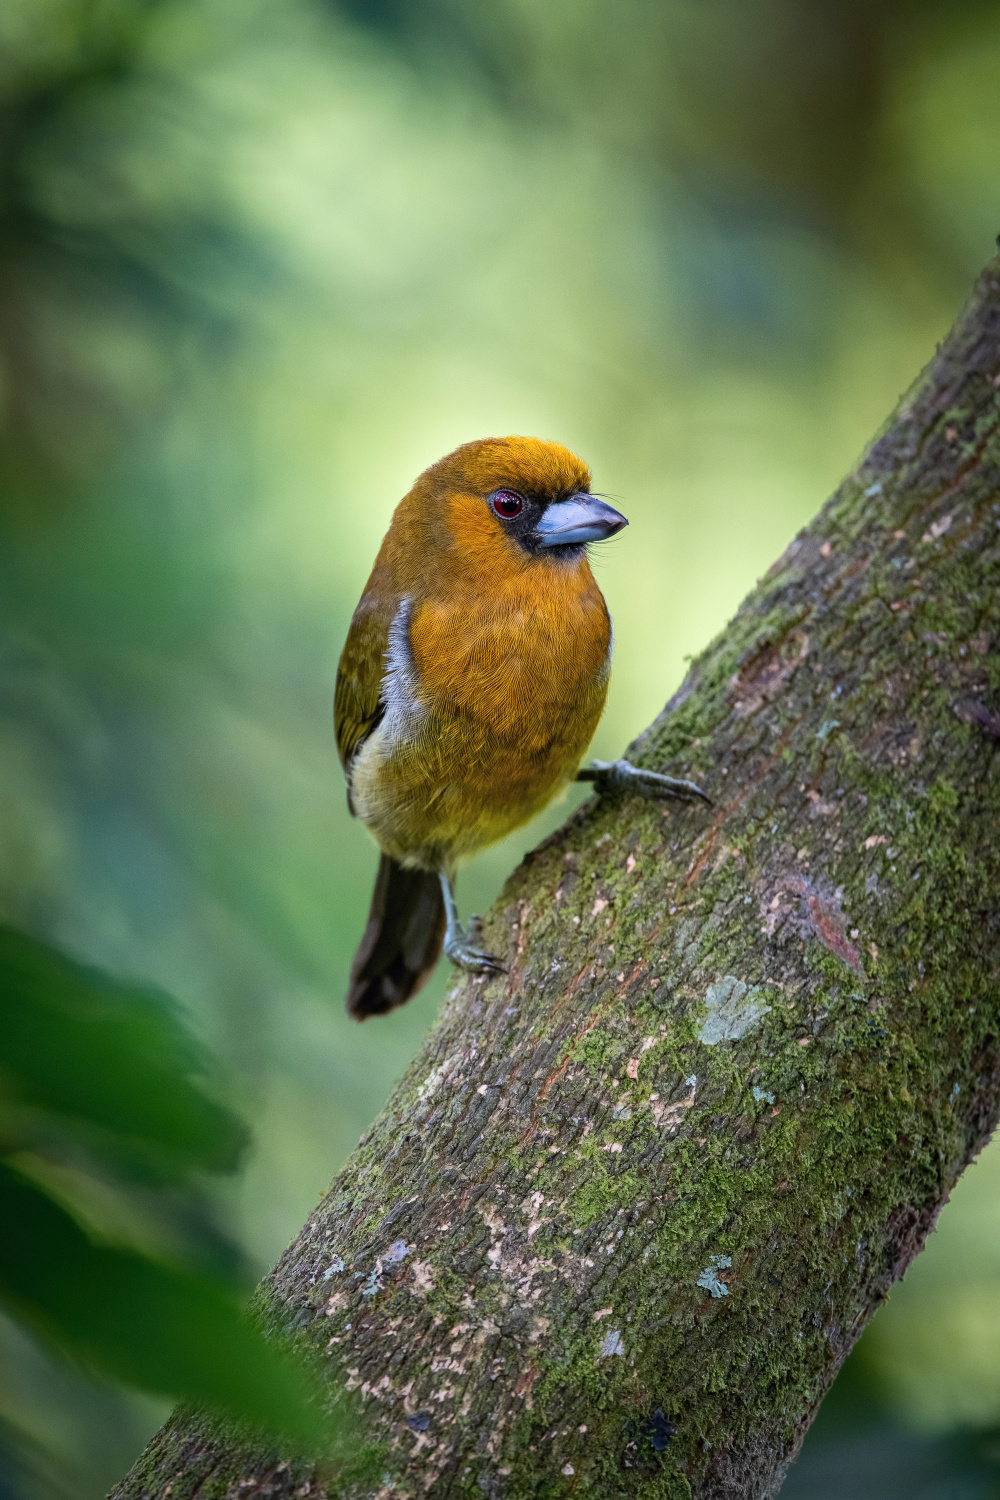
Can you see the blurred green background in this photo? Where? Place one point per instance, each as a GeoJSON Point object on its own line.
{"type": "Point", "coordinates": [259, 265]}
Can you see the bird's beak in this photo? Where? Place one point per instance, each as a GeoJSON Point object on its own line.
{"type": "Point", "coordinates": [581, 518]}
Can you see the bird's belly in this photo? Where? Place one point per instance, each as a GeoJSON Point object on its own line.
{"type": "Point", "coordinates": [441, 782]}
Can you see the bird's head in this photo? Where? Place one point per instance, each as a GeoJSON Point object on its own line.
{"type": "Point", "coordinates": [535, 495]}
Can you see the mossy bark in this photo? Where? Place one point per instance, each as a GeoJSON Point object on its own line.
{"type": "Point", "coordinates": [634, 1202]}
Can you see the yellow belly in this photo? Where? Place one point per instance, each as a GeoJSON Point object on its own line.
{"type": "Point", "coordinates": [506, 700]}
{"type": "Point", "coordinates": [436, 800]}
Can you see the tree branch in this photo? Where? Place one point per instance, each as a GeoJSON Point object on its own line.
{"type": "Point", "coordinates": [633, 1203]}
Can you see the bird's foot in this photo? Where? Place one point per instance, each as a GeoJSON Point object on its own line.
{"type": "Point", "coordinates": [460, 947]}
{"type": "Point", "coordinates": [622, 776]}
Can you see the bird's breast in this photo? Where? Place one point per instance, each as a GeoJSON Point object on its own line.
{"type": "Point", "coordinates": [521, 658]}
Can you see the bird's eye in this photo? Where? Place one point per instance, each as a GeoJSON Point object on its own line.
{"type": "Point", "coordinates": [507, 504]}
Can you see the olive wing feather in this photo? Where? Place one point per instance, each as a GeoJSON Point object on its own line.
{"type": "Point", "coordinates": [357, 705]}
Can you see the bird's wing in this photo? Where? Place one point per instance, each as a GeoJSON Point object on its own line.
{"type": "Point", "coordinates": [357, 705]}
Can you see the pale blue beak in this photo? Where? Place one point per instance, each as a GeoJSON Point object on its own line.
{"type": "Point", "coordinates": [581, 518]}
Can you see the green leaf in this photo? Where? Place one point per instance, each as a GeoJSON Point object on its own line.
{"type": "Point", "coordinates": [76, 1043]}
{"type": "Point", "coordinates": [142, 1322]}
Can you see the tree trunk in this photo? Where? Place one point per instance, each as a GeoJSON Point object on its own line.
{"type": "Point", "coordinates": [634, 1202]}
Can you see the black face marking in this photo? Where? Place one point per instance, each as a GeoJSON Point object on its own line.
{"type": "Point", "coordinates": [522, 524]}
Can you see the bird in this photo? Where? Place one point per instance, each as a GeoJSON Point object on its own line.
{"type": "Point", "coordinates": [473, 676]}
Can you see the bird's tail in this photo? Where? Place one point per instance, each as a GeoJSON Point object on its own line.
{"type": "Point", "coordinates": [402, 941]}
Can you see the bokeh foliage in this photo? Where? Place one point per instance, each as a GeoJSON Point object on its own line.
{"type": "Point", "coordinates": [99, 1078]}
{"type": "Point", "coordinates": [258, 266]}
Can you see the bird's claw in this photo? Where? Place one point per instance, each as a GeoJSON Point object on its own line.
{"type": "Point", "coordinates": [460, 948]}
{"type": "Point", "coordinates": [622, 776]}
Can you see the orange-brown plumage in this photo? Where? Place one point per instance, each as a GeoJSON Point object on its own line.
{"type": "Point", "coordinates": [477, 663]}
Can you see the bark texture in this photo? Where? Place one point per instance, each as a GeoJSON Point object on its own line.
{"type": "Point", "coordinates": [633, 1203]}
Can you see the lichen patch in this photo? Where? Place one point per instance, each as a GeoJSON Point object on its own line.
{"type": "Point", "coordinates": [732, 1008]}
{"type": "Point", "coordinates": [612, 1343]}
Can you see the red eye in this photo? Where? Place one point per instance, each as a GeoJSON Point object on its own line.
{"type": "Point", "coordinates": [507, 504]}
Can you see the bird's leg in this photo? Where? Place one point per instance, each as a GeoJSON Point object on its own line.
{"type": "Point", "coordinates": [622, 776]}
{"type": "Point", "coordinates": [458, 944]}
